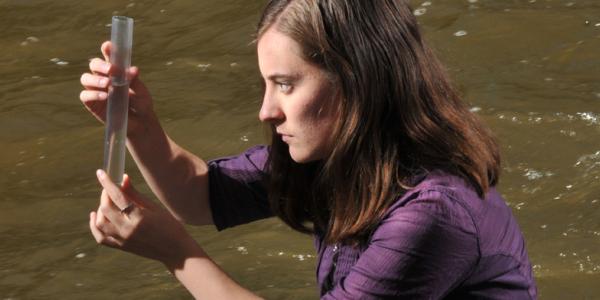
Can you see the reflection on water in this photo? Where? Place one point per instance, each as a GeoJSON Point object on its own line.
{"type": "Point", "coordinates": [529, 68]}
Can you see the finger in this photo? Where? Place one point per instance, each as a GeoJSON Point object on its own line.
{"type": "Point", "coordinates": [97, 107]}
{"type": "Point", "coordinates": [113, 191]}
{"type": "Point", "coordinates": [90, 81]}
{"type": "Point", "coordinates": [105, 48]}
{"type": "Point", "coordinates": [107, 229]}
{"type": "Point", "coordinates": [99, 236]}
{"type": "Point", "coordinates": [104, 225]}
{"type": "Point", "coordinates": [95, 103]}
{"type": "Point", "coordinates": [132, 193]}
{"type": "Point", "coordinates": [87, 96]}
{"type": "Point", "coordinates": [112, 213]}
{"type": "Point", "coordinates": [140, 201]}
{"type": "Point", "coordinates": [99, 66]}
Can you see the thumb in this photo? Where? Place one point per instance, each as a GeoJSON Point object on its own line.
{"type": "Point", "coordinates": [136, 85]}
{"type": "Point", "coordinates": [134, 195]}
{"type": "Point", "coordinates": [105, 49]}
{"type": "Point", "coordinates": [132, 74]}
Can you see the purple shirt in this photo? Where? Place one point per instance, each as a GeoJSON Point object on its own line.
{"type": "Point", "coordinates": [438, 241]}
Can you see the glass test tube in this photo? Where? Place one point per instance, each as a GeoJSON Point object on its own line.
{"type": "Point", "coordinates": [118, 98]}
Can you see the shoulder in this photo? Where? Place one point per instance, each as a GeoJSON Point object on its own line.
{"type": "Point", "coordinates": [447, 203]}
{"type": "Point", "coordinates": [442, 184]}
{"type": "Point", "coordinates": [432, 213]}
{"type": "Point", "coordinates": [438, 198]}
{"type": "Point", "coordinates": [428, 237]}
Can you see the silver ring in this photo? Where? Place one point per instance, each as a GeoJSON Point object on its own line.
{"type": "Point", "coordinates": [128, 208]}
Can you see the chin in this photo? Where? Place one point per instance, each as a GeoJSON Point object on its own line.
{"type": "Point", "coordinates": [298, 158]}
{"type": "Point", "coordinates": [301, 157]}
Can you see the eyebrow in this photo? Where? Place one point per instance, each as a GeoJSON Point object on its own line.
{"type": "Point", "coordinates": [280, 76]}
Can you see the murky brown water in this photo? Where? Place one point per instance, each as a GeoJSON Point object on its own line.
{"type": "Point", "coordinates": [530, 68]}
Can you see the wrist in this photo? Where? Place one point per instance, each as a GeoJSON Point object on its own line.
{"type": "Point", "coordinates": [186, 250]}
{"type": "Point", "coordinates": [148, 126]}
{"type": "Point", "coordinates": [203, 278]}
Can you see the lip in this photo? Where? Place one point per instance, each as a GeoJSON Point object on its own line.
{"type": "Point", "coordinates": [282, 133]}
{"type": "Point", "coordinates": [284, 137]}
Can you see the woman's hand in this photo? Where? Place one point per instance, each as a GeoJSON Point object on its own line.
{"type": "Point", "coordinates": [127, 221]}
{"type": "Point", "coordinates": [96, 91]}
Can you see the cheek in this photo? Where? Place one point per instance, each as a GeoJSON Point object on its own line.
{"type": "Point", "coordinates": [319, 123]}
{"type": "Point", "coordinates": [321, 107]}
{"type": "Point", "coordinates": [313, 118]}
{"type": "Point", "coordinates": [325, 113]}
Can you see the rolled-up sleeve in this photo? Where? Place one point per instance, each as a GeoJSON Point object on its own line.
{"type": "Point", "coordinates": [237, 191]}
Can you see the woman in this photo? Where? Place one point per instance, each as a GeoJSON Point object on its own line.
{"type": "Point", "coordinates": [372, 152]}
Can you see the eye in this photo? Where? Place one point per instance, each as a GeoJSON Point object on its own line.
{"type": "Point", "coordinates": [285, 88]}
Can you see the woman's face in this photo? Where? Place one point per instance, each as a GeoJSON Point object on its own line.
{"type": "Point", "coordinates": [299, 98]}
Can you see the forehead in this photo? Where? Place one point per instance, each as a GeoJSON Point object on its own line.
{"type": "Point", "coordinates": [273, 39]}
{"type": "Point", "coordinates": [275, 48]}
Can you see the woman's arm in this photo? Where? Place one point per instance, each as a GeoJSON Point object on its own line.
{"type": "Point", "coordinates": [205, 280]}
{"type": "Point", "coordinates": [178, 178]}
{"type": "Point", "coordinates": [127, 221]}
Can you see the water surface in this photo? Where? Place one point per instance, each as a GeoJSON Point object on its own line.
{"type": "Point", "coordinates": [530, 69]}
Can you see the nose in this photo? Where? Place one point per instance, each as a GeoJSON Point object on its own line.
{"type": "Point", "coordinates": [270, 110]}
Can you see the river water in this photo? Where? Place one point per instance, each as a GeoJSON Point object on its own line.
{"type": "Point", "coordinates": [529, 68]}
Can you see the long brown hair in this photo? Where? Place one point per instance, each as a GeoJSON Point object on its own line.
{"type": "Point", "coordinates": [400, 117]}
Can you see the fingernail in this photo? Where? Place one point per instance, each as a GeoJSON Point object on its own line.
{"type": "Point", "coordinates": [100, 173]}
{"type": "Point", "coordinates": [102, 95]}
{"type": "Point", "coordinates": [106, 67]}
{"type": "Point", "coordinates": [103, 82]}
